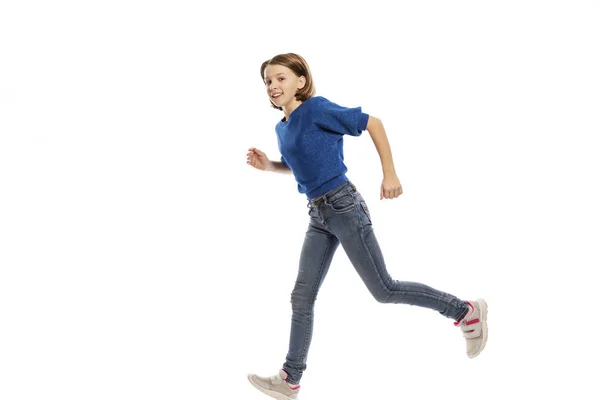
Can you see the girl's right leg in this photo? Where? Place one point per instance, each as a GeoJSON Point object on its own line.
{"type": "Point", "coordinates": [317, 252]}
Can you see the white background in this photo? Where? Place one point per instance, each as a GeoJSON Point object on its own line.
{"type": "Point", "coordinates": [141, 258]}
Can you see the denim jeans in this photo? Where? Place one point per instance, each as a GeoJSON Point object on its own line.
{"type": "Point", "coordinates": [342, 216]}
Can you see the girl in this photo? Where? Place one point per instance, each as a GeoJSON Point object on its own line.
{"type": "Point", "coordinates": [310, 138]}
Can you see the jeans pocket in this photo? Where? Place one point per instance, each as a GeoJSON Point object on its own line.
{"type": "Point", "coordinates": [343, 203]}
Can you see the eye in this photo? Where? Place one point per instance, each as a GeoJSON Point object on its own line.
{"type": "Point", "coordinates": [281, 79]}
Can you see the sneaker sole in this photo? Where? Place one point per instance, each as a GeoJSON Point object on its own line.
{"type": "Point", "coordinates": [277, 395]}
{"type": "Point", "coordinates": [484, 311]}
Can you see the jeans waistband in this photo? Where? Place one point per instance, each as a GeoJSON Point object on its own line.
{"type": "Point", "coordinates": [327, 196]}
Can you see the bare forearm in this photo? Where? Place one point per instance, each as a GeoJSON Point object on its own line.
{"type": "Point", "coordinates": [278, 166]}
{"type": "Point", "coordinates": [377, 132]}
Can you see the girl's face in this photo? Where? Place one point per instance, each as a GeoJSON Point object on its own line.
{"type": "Point", "coordinates": [282, 84]}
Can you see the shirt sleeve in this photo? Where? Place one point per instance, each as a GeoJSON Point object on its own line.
{"type": "Point", "coordinates": [332, 117]}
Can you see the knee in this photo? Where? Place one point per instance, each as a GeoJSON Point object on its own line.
{"type": "Point", "coordinates": [381, 296]}
{"type": "Point", "coordinates": [301, 302]}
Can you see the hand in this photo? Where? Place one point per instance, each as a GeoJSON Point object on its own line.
{"type": "Point", "coordinates": [390, 187]}
{"type": "Point", "coordinates": [257, 159]}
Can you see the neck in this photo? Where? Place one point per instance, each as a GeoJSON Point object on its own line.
{"type": "Point", "coordinates": [290, 107]}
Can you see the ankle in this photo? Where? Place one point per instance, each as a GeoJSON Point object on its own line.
{"type": "Point", "coordinates": [293, 386]}
{"type": "Point", "coordinates": [466, 311]}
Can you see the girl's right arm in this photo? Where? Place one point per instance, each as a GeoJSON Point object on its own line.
{"type": "Point", "coordinates": [259, 160]}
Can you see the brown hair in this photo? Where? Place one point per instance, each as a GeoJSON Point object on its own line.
{"type": "Point", "coordinates": [300, 68]}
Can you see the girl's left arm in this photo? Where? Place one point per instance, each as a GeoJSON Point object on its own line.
{"type": "Point", "coordinates": [390, 187]}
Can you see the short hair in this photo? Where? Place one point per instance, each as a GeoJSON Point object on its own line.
{"type": "Point", "coordinates": [299, 66]}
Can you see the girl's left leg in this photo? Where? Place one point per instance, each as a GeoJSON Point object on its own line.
{"type": "Point", "coordinates": [347, 217]}
{"type": "Point", "coordinates": [353, 228]}
{"type": "Point", "coordinates": [366, 257]}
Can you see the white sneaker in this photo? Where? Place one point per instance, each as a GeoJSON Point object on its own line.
{"type": "Point", "coordinates": [474, 327]}
{"type": "Point", "coordinates": [275, 386]}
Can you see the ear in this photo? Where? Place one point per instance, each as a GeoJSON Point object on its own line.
{"type": "Point", "coordinates": [302, 80]}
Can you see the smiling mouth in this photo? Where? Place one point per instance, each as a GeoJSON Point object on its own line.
{"type": "Point", "coordinates": [275, 96]}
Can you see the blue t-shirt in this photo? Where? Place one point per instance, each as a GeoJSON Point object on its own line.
{"type": "Point", "coordinates": [311, 143]}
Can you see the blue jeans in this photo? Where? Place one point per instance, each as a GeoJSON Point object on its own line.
{"type": "Point", "coordinates": [342, 216]}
